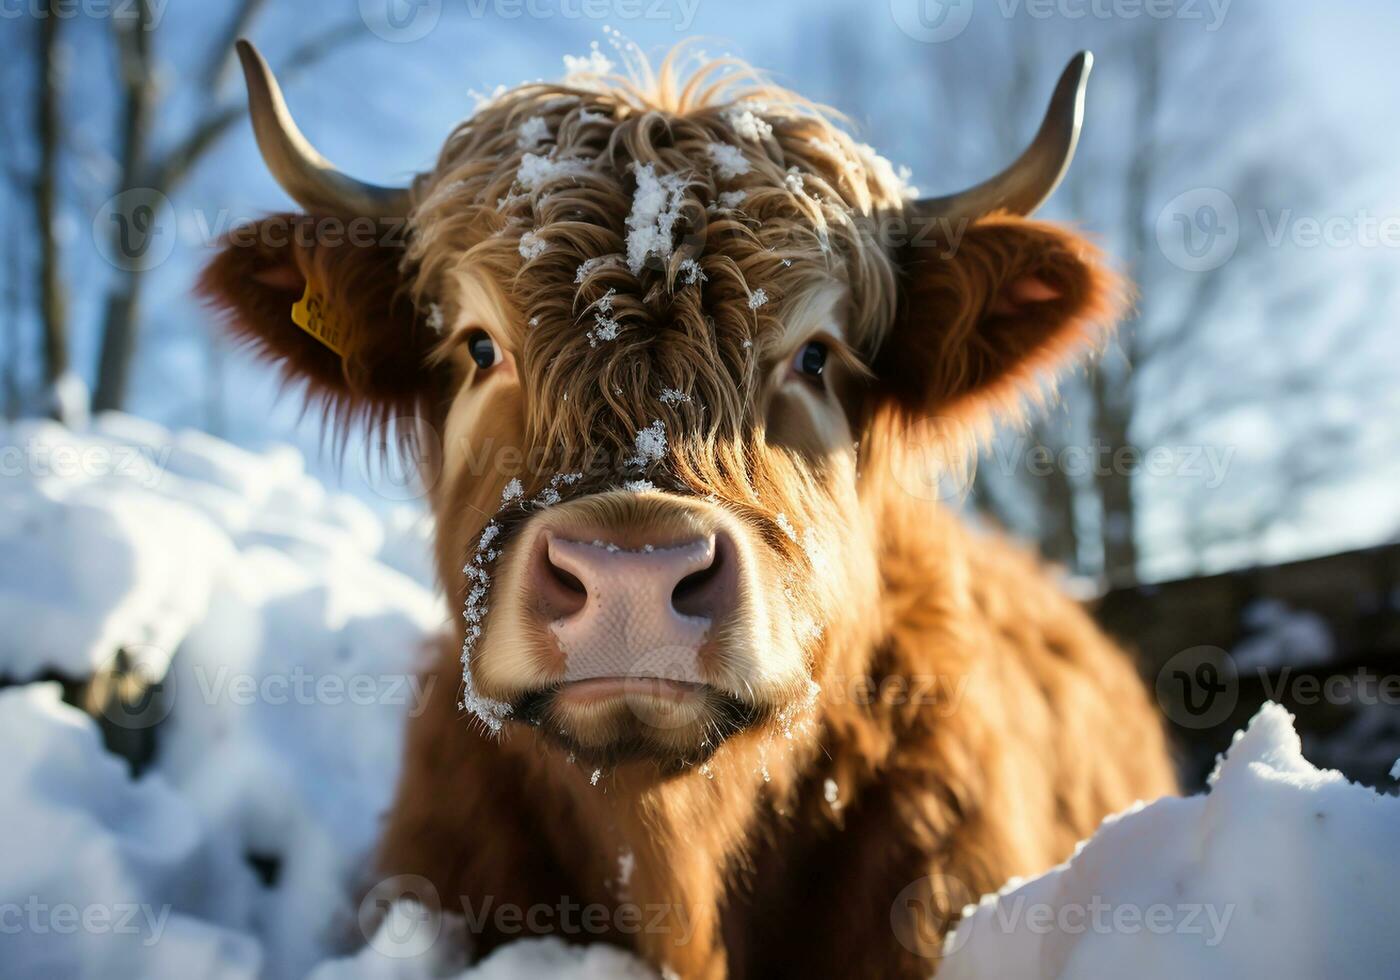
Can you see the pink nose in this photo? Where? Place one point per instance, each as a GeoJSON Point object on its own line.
{"type": "Point", "coordinates": [634, 612]}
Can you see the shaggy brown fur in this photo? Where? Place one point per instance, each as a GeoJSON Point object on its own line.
{"type": "Point", "coordinates": [952, 720]}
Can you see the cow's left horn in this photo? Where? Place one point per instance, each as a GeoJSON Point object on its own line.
{"type": "Point", "coordinates": [1025, 185]}
{"type": "Point", "coordinates": [308, 177]}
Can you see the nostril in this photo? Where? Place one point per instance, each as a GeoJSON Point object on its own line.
{"type": "Point", "coordinates": [690, 595]}
{"type": "Point", "coordinates": [705, 591]}
{"type": "Point", "coordinates": [560, 591]}
{"type": "Point", "coordinates": [565, 580]}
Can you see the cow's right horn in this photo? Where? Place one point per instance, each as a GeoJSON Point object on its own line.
{"type": "Point", "coordinates": [1023, 187]}
{"type": "Point", "coordinates": [310, 179]}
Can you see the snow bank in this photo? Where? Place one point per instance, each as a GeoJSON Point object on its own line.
{"type": "Point", "coordinates": [289, 625]}
{"type": "Point", "coordinates": [116, 537]}
{"type": "Point", "coordinates": [1281, 870]}
{"type": "Point", "coordinates": [101, 876]}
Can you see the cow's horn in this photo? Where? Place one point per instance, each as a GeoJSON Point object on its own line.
{"type": "Point", "coordinates": [1024, 186]}
{"type": "Point", "coordinates": [310, 179]}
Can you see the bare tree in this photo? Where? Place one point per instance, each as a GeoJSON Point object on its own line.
{"type": "Point", "coordinates": [163, 173]}
{"type": "Point", "coordinates": [1162, 381]}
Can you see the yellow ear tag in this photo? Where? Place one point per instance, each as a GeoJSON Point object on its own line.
{"type": "Point", "coordinates": [315, 316]}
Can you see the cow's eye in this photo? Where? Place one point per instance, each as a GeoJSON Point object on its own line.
{"type": "Point", "coordinates": [483, 349]}
{"type": "Point", "coordinates": [810, 361]}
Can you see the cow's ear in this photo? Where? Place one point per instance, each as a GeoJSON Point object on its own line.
{"type": "Point", "coordinates": [326, 302]}
{"type": "Point", "coordinates": [988, 320]}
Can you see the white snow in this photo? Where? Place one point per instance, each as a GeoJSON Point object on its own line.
{"type": "Point", "coordinates": [103, 876]}
{"type": "Point", "coordinates": [587, 267]}
{"type": "Point", "coordinates": [758, 298]}
{"type": "Point", "coordinates": [535, 171]}
{"type": "Point", "coordinates": [730, 161]}
{"type": "Point", "coordinates": [1395, 770]}
{"type": "Point", "coordinates": [691, 273]}
{"type": "Point", "coordinates": [655, 209]}
{"type": "Point", "coordinates": [532, 245]}
{"type": "Point", "coordinates": [593, 63]}
{"type": "Point", "coordinates": [289, 625]}
{"type": "Point", "coordinates": [532, 133]}
{"type": "Point", "coordinates": [434, 320]}
{"type": "Point", "coordinates": [650, 444]}
{"type": "Point", "coordinates": [746, 124]}
{"type": "Point", "coordinates": [786, 527]}
{"type": "Point", "coordinates": [1281, 870]}
{"type": "Point", "coordinates": [605, 328]}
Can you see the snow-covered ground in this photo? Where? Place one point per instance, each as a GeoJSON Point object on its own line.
{"type": "Point", "coordinates": [289, 622]}
{"type": "Point", "coordinates": [1281, 870]}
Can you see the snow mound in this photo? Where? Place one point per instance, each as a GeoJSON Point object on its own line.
{"type": "Point", "coordinates": [1280, 870]}
{"type": "Point", "coordinates": [101, 876]}
{"type": "Point", "coordinates": [116, 537]}
{"type": "Point", "coordinates": [289, 627]}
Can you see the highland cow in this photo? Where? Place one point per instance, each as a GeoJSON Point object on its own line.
{"type": "Point", "coordinates": [678, 353]}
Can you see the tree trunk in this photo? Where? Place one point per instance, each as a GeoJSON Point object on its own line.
{"type": "Point", "coordinates": [53, 307]}
{"type": "Point", "coordinates": [1115, 456]}
{"type": "Point", "coordinates": [122, 307]}
{"type": "Point", "coordinates": [1058, 529]}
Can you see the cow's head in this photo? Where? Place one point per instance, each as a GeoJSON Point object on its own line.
{"type": "Point", "coordinates": [668, 339]}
